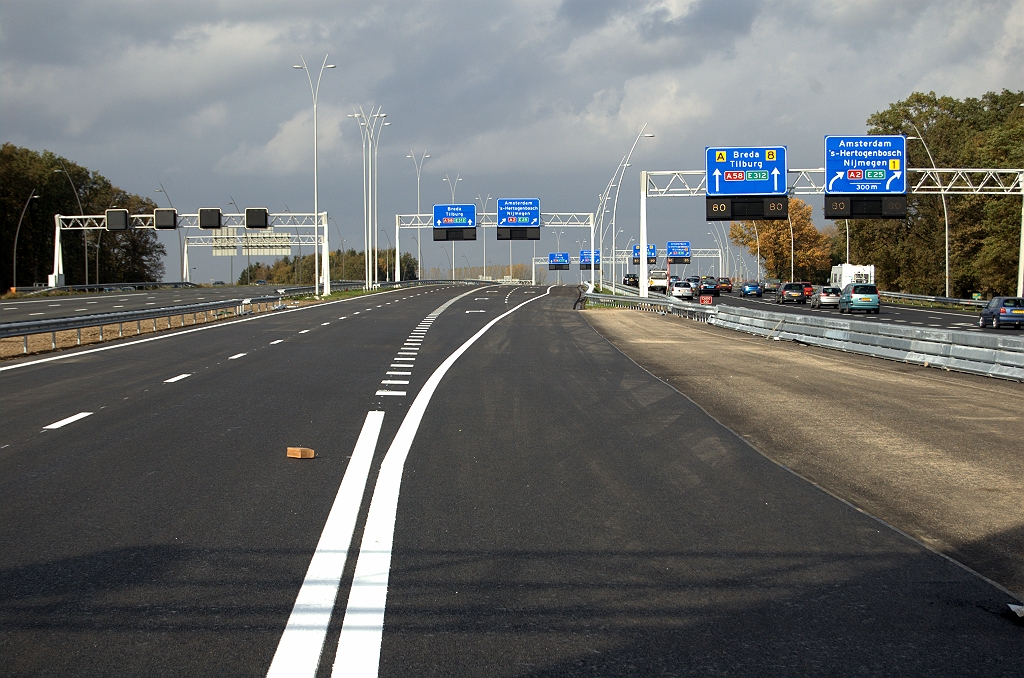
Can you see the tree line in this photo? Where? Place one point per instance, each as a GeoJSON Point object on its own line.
{"type": "Point", "coordinates": [909, 254]}
{"type": "Point", "coordinates": [345, 265]}
{"type": "Point", "coordinates": [65, 187]}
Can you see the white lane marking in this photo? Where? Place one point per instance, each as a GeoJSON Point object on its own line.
{"type": "Point", "coordinates": [52, 305]}
{"type": "Point", "coordinates": [81, 309]}
{"type": "Point", "coordinates": [342, 317]}
{"type": "Point", "coordinates": [405, 358]}
{"type": "Point", "coordinates": [298, 652]}
{"type": "Point", "coordinates": [35, 313]}
{"type": "Point", "coordinates": [480, 311]}
{"type": "Point", "coordinates": [237, 356]}
{"type": "Point", "coordinates": [395, 382]}
{"type": "Point", "coordinates": [399, 374]}
{"type": "Point", "coordinates": [357, 313]}
{"type": "Point", "coordinates": [276, 341]}
{"type": "Point", "coordinates": [378, 305]}
{"type": "Point", "coordinates": [401, 353]}
{"type": "Point", "coordinates": [303, 331]}
{"type": "Point", "coordinates": [178, 378]}
{"type": "Point", "coordinates": [118, 305]}
{"type": "Point", "coordinates": [482, 298]}
{"type": "Point", "coordinates": [65, 422]}
{"type": "Point", "coordinates": [390, 393]}
{"type": "Point", "coordinates": [403, 365]}
{"type": "Point", "coordinates": [363, 627]}
{"type": "Point", "coordinates": [326, 323]}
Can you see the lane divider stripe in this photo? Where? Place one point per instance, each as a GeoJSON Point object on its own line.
{"type": "Point", "coordinates": [363, 627]}
{"type": "Point", "coordinates": [177, 378]}
{"type": "Point", "coordinates": [65, 422]}
{"type": "Point", "coordinates": [298, 652]}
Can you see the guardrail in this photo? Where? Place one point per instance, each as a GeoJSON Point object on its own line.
{"type": "Point", "coordinates": [925, 299]}
{"type": "Point", "coordinates": [107, 287]}
{"type": "Point", "coordinates": [51, 326]}
{"type": "Point", "coordinates": [984, 354]}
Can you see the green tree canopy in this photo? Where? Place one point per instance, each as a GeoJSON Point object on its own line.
{"type": "Point", "coordinates": [810, 247]}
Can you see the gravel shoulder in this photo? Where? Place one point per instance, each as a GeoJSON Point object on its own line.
{"type": "Point", "coordinates": [936, 454]}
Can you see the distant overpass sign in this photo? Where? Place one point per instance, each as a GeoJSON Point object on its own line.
{"type": "Point", "coordinates": [652, 253]}
{"type": "Point", "coordinates": [454, 222]}
{"type": "Point", "coordinates": [558, 261]}
{"type": "Point", "coordinates": [678, 251]}
{"type": "Point", "coordinates": [590, 259]}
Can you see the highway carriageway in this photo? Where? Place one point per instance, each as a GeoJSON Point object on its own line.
{"type": "Point", "coordinates": [64, 306]}
{"type": "Point", "coordinates": [497, 490]}
{"type": "Point", "coordinates": [935, 318]}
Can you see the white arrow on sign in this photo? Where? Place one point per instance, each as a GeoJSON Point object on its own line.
{"type": "Point", "coordinates": [775, 175]}
{"type": "Point", "coordinates": [716, 175]}
{"type": "Point", "coordinates": [438, 222]}
{"type": "Point", "coordinates": [470, 222]}
{"type": "Point", "coordinates": [895, 175]}
{"type": "Point", "coordinates": [838, 175]}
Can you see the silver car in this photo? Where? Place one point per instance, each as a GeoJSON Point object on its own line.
{"type": "Point", "coordinates": [826, 296]}
{"type": "Point", "coordinates": [682, 289]}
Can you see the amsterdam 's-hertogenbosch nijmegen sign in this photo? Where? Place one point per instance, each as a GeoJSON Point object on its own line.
{"type": "Point", "coordinates": [746, 182]}
{"type": "Point", "coordinates": [519, 219]}
{"type": "Point", "coordinates": [866, 177]}
{"type": "Point", "coordinates": [454, 222]}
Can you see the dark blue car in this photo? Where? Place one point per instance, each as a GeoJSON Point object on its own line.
{"type": "Point", "coordinates": [1002, 312]}
{"type": "Point", "coordinates": [751, 289]}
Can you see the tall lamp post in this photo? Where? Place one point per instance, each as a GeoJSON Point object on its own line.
{"type": "Point", "coordinates": [484, 202]}
{"type": "Point", "coordinates": [81, 212]}
{"type": "Point", "coordinates": [370, 127]}
{"type": "Point", "coordinates": [945, 211]}
{"type": "Point", "coordinates": [419, 168]}
{"type": "Point", "coordinates": [618, 184]}
{"type": "Point", "coordinates": [314, 92]}
{"type": "Point", "coordinates": [453, 185]}
{"type": "Point", "coordinates": [14, 277]}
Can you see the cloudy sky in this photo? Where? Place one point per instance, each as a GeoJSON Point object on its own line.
{"type": "Point", "coordinates": [537, 98]}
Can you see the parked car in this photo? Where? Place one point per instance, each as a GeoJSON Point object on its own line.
{"type": "Point", "coordinates": [682, 289]}
{"type": "Point", "coordinates": [725, 285]}
{"type": "Point", "coordinates": [791, 291]}
{"type": "Point", "coordinates": [825, 296]}
{"type": "Point", "coordinates": [859, 297]}
{"type": "Point", "coordinates": [710, 286]}
{"type": "Point", "coordinates": [751, 289]}
{"type": "Point", "coordinates": [631, 279]}
{"type": "Point", "coordinates": [657, 281]}
{"type": "Point", "coordinates": [771, 285]}
{"type": "Point", "coordinates": [1002, 311]}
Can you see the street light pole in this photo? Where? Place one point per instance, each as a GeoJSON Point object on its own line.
{"type": "Point", "coordinates": [483, 234]}
{"type": "Point", "coordinates": [945, 211]}
{"type": "Point", "coordinates": [81, 212]}
{"type": "Point", "coordinates": [14, 276]}
{"type": "Point", "coordinates": [419, 168]}
{"type": "Point", "coordinates": [453, 185]}
{"type": "Point", "coordinates": [181, 245]}
{"type": "Point", "coordinates": [314, 92]}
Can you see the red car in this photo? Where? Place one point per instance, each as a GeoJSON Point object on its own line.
{"type": "Point", "coordinates": [808, 290]}
{"type": "Point", "coordinates": [725, 285]}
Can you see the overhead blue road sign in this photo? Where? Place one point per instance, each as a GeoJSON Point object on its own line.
{"type": "Point", "coordinates": [558, 258]}
{"type": "Point", "coordinates": [757, 170]}
{"type": "Point", "coordinates": [454, 216]}
{"type": "Point", "coordinates": [652, 250]}
{"type": "Point", "coordinates": [588, 257]}
{"type": "Point", "coordinates": [866, 164]}
{"type": "Point", "coordinates": [679, 248]}
{"type": "Point", "coordinates": [519, 211]}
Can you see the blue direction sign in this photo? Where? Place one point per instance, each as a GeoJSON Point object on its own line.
{"type": "Point", "coordinates": [866, 164]}
{"type": "Point", "coordinates": [454, 216]}
{"type": "Point", "coordinates": [652, 251]}
{"type": "Point", "coordinates": [558, 258]}
{"type": "Point", "coordinates": [519, 211]}
{"type": "Point", "coordinates": [758, 170]}
{"type": "Point", "coordinates": [678, 249]}
{"type": "Point", "coordinates": [590, 258]}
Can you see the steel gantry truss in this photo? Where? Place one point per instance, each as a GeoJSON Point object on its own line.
{"type": "Point", "coordinates": [490, 220]}
{"type": "Point", "coordinates": [922, 181]}
{"type": "Point", "coordinates": [625, 257]}
{"type": "Point", "coordinates": [225, 237]}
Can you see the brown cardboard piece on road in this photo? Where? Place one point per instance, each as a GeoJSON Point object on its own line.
{"type": "Point", "coordinates": [300, 453]}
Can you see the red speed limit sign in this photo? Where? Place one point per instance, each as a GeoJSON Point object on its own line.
{"type": "Point", "coordinates": [705, 300]}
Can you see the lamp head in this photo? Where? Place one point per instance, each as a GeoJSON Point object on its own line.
{"type": "Point", "coordinates": [330, 66]}
{"type": "Point", "coordinates": [649, 136]}
{"type": "Point", "coordinates": [301, 68]}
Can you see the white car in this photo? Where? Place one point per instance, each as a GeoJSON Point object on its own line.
{"type": "Point", "coordinates": [682, 289]}
{"type": "Point", "coordinates": [826, 296]}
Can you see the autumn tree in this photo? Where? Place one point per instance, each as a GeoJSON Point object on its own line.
{"type": "Point", "coordinates": [810, 247]}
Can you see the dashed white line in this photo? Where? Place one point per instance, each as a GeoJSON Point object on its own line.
{"type": "Point", "coordinates": [276, 341]}
{"type": "Point", "coordinates": [303, 331]}
{"type": "Point", "coordinates": [390, 393]}
{"type": "Point", "coordinates": [178, 378]}
{"type": "Point", "coordinates": [399, 374]}
{"type": "Point", "coordinates": [298, 652]}
{"type": "Point", "coordinates": [65, 422]}
{"type": "Point", "coordinates": [395, 382]}
{"type": "Point", "coordinates": [237, 356]}
{"type": "Point", "coordinates": [326, 323]}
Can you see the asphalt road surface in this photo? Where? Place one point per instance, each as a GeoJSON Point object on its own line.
{"type": "Point", "coordinates": [45, 308]}
{"type": "Point", "coordinates": [535, 504]}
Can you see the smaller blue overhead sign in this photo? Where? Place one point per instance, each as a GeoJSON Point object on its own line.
{"type": "Point", "coordinates": [652, 250]}
{"type": "Point", "coordinates": [733, 170]}
{"type": "Point", "coordinates": [454, 216]}
{"type": "Point", "coordinates": [866, 164]}
{"type": "Point", "coordinates": [588, 257]}
{"type": "Point", "coordinates": [518, 211]}
{"type": "Point", "coordinates": [679, 248]}
{"type": "Point", "coordinates": [559, 258]}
